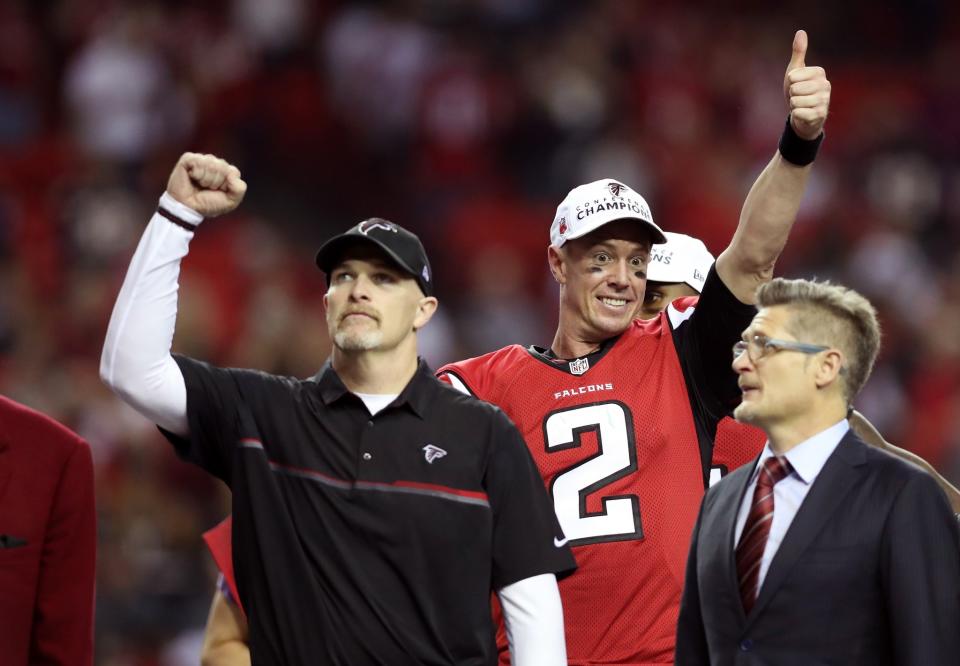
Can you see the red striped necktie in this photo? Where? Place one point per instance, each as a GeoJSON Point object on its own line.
{"type": "Point", "coordinates": [753, 541]}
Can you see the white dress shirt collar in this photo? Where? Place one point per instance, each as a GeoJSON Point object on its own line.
{"type": "Point", "coordinates": [809, 456]}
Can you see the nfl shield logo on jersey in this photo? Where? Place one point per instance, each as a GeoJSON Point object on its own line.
{"type": "Point", "coordinates": [580, 366]}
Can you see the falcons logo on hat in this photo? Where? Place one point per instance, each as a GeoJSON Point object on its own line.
{"type": "Point", "coordinates": [367, 226]}
{"type": "Point", "coordinates": [431, 453]}
{"type": "Point", "coordinates": [563, 225]}
{"type": "Point", "coordinates": [616, 188]}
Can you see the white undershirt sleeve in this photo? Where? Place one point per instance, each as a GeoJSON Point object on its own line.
{"type": "Point", "coordinates": [533, 616]}
{"type": "Point", "coordinates": [136, 362]}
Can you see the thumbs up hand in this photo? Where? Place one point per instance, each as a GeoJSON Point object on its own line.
{"type": "Point", "coordinates": [807, 91]}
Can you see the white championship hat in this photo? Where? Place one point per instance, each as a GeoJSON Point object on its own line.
{"type": "Point", "coordinates": [682, 259]}
{"type": "Point", "coordinates": [595, 204]}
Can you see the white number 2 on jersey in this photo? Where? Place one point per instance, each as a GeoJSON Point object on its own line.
{"type": "Point", "coordinates": [619, 519]}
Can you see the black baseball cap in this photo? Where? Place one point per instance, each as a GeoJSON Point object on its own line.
{"type": "Point", "coordinates": [402, 246]}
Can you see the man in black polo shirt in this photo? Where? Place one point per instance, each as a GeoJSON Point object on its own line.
{"type": "Point", "coordinates": [374, 508]}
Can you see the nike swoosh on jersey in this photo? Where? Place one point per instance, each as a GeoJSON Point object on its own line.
{"type": "Point", "coordinates": [560, 543]}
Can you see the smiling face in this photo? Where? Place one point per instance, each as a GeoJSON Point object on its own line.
{"type": "Point", "coordinates": [372, 305]}
{"type": "Point", "coordinates": [602, 277]}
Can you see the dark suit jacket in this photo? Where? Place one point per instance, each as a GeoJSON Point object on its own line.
{"type": "Point", "coordinates": [47, 541]}
{"type": "Point", "coordinates": [868, 573]}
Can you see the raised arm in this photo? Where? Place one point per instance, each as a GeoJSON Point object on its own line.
{"type": "Point", "coordinates": [772, 203]}
{"type": "Point", "coordinates": [136, 362]}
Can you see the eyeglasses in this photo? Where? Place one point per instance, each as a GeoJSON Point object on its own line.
{"type": "Point", "coordinates": [758, 346]}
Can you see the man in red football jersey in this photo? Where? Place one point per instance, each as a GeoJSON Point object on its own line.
{"type": "Point", "coordinates": [620, 414]}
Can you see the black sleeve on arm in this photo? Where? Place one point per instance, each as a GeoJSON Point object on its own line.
{"type": "Point", "coordinates": [704, 342]}
{"type": "Point", "coordinates": [525, 527]}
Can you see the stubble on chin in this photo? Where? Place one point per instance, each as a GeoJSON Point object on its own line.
{"type": "Point", "coordinates": [743, 414]}
{"type": "Point", "coordinates": [357, 340]}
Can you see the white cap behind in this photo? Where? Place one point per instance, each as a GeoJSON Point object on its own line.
{"type": "Point", "coordinates": [682, 259]}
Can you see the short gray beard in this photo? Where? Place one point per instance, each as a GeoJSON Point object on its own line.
{"type": "Point", "coordinates": [742, 414]}
{"type": "Point", "coordinates": [357, 341]}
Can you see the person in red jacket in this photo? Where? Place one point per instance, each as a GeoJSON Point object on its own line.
{"type": "Point", "coordinates": [47, 540]}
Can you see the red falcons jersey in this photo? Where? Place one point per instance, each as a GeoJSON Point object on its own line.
{"type": "Point", "coordinates": [736, 444]}
{"type": "Point", "coordinates": [616, 446]}
{"type": "Point", "coordinates": [622, 454]}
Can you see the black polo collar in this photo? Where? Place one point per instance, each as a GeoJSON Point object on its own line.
{"type": "Point", "coordinates": [417, 394]}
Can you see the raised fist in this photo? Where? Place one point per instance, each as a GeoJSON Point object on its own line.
{"type": "Point", "coordinates": [806, 90]}
{"type": "Point", "coordinates": [207, 184]}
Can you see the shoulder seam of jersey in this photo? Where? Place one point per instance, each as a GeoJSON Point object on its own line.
{"type": "Point", "coordinates": [677, 317]}
{"type": "Point", "coordinates": [469, 391]}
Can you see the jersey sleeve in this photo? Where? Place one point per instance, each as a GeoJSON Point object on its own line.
{"type": "Point", "coordinates": [469, 376]}
{"type": "Point", "coordinates": [217, 401]}
{"type": "Point", "coordinates": [527, 539]}
{"type": "Point", "coordinates": [704, 332]}
{"type": "Point", "coordinates": [454, 380]}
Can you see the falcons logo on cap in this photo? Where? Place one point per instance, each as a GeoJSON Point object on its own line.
{"type": "Point", "coordinates": [616, 188]}
{"type": "Point", "coordinates": [367, 226]}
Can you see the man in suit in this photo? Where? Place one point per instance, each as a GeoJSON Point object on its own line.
{"type": "Point", "coordinates": [47, 541]}
{"type": "Point", "coordinates": [825, 551]}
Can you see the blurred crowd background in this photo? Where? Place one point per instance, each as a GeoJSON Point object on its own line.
{"type": "Point", "coordinates": [466, 121]}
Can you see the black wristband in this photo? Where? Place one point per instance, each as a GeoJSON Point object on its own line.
{"type": "Point", "coordinates": [176, 220]}
{"type": "Point", "coordinates": [795, 150]}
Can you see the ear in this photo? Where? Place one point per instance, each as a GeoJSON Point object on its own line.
{"type": "Point", "coordinates": [829, 368]}
{"type": "Point", "coordinates": [557, 266]}
{"type": "Point", "coordinates": [425, 309]}
{"type": "Point", "coordinates": [326, 299]}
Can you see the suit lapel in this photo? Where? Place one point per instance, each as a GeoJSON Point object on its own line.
{"type": "Point", "coordinates": [836, 479]}
{"type": "Point", "coordinates": [728, 507]}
